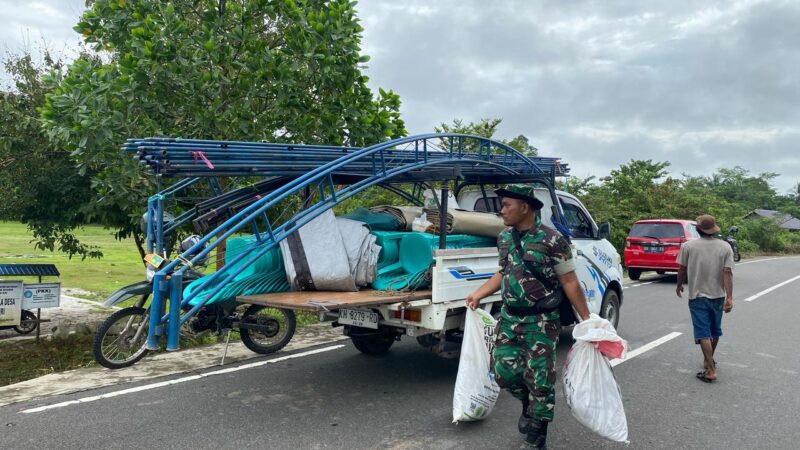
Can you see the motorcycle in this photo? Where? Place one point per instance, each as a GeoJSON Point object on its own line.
{"type": "Point", "coordinates": [732, 242]}
{"type": "Point", "coordinates": [26, 325]}
{"type": "Point", "coordinates": [120, 340]}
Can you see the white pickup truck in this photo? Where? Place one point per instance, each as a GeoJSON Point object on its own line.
{"type": "Point", "coordinates": [374, 320]}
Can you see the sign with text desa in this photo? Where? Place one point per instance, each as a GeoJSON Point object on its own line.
{"type": "Point", "coordinates": [10, 302]}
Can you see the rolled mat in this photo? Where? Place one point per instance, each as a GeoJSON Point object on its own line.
{"type": "Point", "coordinates": [404, 214]}
{"type": "Point", "coordinates": [467, 222]}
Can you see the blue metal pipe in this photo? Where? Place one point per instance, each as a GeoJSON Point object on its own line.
{"type": "Point", "coordinates": [300, 219]}
{"type": "Point", "coordinates": [156, 307]}
{"type": "Point", "coordinates": [173, 324]}
{"type": "Point", "coordinates": [260, 206]}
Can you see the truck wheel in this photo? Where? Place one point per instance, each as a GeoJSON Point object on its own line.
{"type": "Point", "coordinates": [610, 308]}
{"type": "Point", "coordinates": [634, 274]}
{"type": "Point", "coordinates": [373, 345]}
{"type": "Point", "coordinates": [276, 328]}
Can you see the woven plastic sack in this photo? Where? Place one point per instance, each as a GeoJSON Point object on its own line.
{"type": "Point", "coordinates": [592, 392]}
{"type": "Point", "coordinates": [476, 390]}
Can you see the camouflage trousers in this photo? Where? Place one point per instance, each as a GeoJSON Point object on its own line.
{"type": "Point", "coordinates": [524, 360]}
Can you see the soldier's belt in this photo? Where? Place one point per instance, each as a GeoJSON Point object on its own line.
{"type": "Point", "coordinates": [543, 305]}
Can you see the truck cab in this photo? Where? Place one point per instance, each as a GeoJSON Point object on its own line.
{"type": "Point", "coordinates": [598, 265]}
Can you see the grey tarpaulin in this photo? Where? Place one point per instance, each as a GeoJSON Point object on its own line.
{"type": "Point", "coordinates": [362, 252]}
{"type": "Point", "coordinates": [330, 254]}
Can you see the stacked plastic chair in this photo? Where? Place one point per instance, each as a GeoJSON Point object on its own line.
{"type": "Point", "coordinates": [406, 257]}
{"type": "Point", "coordinates": [266, 275]}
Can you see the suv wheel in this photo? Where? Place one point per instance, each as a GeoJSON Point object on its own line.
{"type": "Point", "coordinates": [634, 274]}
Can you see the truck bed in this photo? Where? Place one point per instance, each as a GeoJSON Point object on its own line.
{"type": "Point", "coordinates": [316, 301]}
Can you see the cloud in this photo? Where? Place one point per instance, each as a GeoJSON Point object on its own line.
{"type": "Point", "coordinates": [702, 85]}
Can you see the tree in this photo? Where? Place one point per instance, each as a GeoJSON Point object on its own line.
{"type": "Point", "coordinates": [41, 186]}
{"type": "Point", "coordinates": [487, 128]}
{"type": "Point", "coordinates": [737, 185]}
{"type": "Point", "coordinates": [250, 70]}
{"type": "Point", "coordinates": [521, 143]}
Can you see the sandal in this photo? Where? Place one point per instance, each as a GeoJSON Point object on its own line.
{"type": "Point", "coordinates": [702, 377]}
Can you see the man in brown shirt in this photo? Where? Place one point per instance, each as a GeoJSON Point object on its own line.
{"type": "Point", "coordinates": [708, 263]}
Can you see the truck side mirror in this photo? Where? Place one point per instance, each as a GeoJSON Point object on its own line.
{"type": "Point", "coordinates": [603, 230]}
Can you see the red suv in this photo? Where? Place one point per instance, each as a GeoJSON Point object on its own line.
{"type": "Point", "coordinates": [654, 244]}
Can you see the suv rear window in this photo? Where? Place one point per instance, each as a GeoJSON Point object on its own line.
{"type": "Point", "coordinates": [657, 230]}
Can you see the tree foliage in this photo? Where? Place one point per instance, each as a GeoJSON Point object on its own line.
{"type": "Point", "coordinates": [642, 190]}
{"type": "Point", "coordinates": [41, 187]}
{"type": "Point", "coordinates": [487, 128]}
{"type": "Point", "coordinates": [270, 70]}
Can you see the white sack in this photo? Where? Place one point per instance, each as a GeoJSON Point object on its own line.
{"type": "Point", "coordinates": [476, 391]}
{"type": "Point", "coordinates": [592, 392]}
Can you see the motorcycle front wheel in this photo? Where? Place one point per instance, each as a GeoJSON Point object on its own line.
{"type": "Point", "coordinates": [116, 343]}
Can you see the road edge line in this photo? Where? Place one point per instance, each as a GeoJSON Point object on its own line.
{"type": "Point", "coordinates": [179, 380]}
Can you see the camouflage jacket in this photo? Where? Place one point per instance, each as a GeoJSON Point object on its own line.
{"type": "Point", "coordinates": [545, 250]}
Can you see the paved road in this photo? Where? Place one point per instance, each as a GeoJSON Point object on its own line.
{"type": "Point", "coordinates": [338, 398]}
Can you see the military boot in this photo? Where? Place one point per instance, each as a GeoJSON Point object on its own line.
{"type": "Point", "coordinates": [537, 435]}
{"type": "Point", "coordinates": [524, 418]}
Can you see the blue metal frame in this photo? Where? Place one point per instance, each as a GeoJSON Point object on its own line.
{"type": "Point", "coordinates": [382, 167]}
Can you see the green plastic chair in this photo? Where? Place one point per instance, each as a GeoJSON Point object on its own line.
{"type": "Point", "coordinates": [415, 255]}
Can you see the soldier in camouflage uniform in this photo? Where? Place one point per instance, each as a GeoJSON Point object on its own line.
{"type": "Point", "coordinates": [524, 356]}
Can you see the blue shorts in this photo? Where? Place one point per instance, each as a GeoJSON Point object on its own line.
{"type": "Point", "coordinates": [706, 317]}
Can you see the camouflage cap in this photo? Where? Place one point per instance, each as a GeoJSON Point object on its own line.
{"type": "Point", "coordinates": [521, 192]}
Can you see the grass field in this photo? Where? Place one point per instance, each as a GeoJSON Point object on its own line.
{"type": "Point", "coordinates": [95, 279]}
{"type": "Point", "coordinates": [120, 264]}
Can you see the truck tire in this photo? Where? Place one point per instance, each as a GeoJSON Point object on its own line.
{"type": "Point", "coordinates": [610, 308]}
{"type": "Point", "coordinates": [634, 274]}
{"type": "Point", "coordinates": [373, 344]}
{"type": "Point", "coordinates": [280, 322]}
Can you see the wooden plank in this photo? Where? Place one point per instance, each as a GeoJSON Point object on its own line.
{"type": "Point", "coordinates": [324, 300]}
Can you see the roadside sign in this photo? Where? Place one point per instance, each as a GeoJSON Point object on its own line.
{"type": "Point", "coordinates": [10, 302]}
{"type": "Point", "coordinates": [41, 295]}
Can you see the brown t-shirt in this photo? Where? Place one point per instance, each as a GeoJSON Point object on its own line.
{"type": "Point", "coordinates": [705, 259]}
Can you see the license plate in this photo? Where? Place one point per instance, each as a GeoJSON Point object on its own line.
{"type": "Point", "coordinates": [358, 318]}
{"type": "Point", "coordinates": [653, 249]}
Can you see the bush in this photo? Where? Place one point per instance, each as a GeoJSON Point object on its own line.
{"type": "Point", "coordinates": [790, 241]}
{"type": "Point", "coordinates": [765, 233]}
{"type": "Point", "coordinates": [747, 247]}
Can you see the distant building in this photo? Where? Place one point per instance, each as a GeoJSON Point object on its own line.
{"type": "Point", "coordinates": [783, 220]}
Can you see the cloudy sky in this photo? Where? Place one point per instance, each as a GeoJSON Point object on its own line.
{"type": "Point", "coordinates": [699, 84]}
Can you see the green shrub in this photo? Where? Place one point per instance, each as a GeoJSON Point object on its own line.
{"type": "Point", "coordinates": [765, 233]}
{"type": "Point", "coordinates": [747, 247]}
{"type": "Point", "coordinates": [790, 241]}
